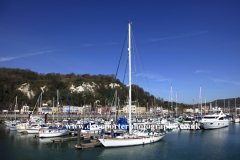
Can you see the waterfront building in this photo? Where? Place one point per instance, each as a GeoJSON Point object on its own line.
{"type": "Point", "coordinates": [24, 109]}
{"type": "Point", "coordinates": [73, 109]}
{"type": "Point", "coordinates": [133, 109]}
{"type": "Point", "coordinates": [141, 109]}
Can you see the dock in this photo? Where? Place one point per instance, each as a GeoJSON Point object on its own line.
{"type": "Point", "coordinates": [84, 135]}
{"type": "Point", "coordinates": [88, 145]}
{"type": "Point", "coordinates": [61, 139]}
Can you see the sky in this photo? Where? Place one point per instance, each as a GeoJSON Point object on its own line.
{"type": "Point", "coordinates": [186, 44]}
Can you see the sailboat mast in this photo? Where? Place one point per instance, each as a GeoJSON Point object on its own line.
{"type": "Point", "coordinates": [224, 107]}
{"type": "Point", "coordinates": [171, 102]}
{"type": "Point", "coordinates": [200, 99]}
{"type": "Point", "coordinates": [53, 109]}
{"type": "Point", "coordinates": [235, 108]}
{"type": "Point", "coordinates": [57, 105]}
{"type": "Point", "coordinates": [40, 104]}
{"type": "Point", "coordinates": [205, 105]}
{"type": "Point", "coordinates": [130, 94]}
{"type": "Point", "coordinates": [15, 109]}
{"type": "Point", "coordinates": [176, 103]}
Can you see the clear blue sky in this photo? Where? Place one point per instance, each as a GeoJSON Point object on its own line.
{"type": "Point", "coordinates": [184, 43]}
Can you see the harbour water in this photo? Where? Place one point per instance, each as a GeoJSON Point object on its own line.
{"type": "Point", "coordinates": [221, 143]}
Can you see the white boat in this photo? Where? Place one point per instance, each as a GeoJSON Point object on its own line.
{"type": "Point", "coordinates": [22, 127]}
{"type": "Point", "coordinates": [34, 129]}
{"type": "Point", "coordinates": [236, 120]}
{"type": "Point", "coordinates": [13, 127]}
{"type": "Point", "coordinates": [131, 138]}
{"type": "Point", "coordinates": [214, 121]}
{"type": "Point", "coordinates": [46, 133]}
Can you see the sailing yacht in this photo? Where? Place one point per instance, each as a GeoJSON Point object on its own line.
{"type": "Point", "coordinates": [136, 138]}
{"type": "Point", "coordinates": [13, 126]}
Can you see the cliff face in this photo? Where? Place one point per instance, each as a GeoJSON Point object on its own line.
{"type": "Point", "coordinates": [25, 88]}
{"type": "Point", "coordinates": [28, 85]}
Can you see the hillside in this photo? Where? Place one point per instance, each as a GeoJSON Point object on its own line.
{"type": "Point", "coordinates": [27, 86]}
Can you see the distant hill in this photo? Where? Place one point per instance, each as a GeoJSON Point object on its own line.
{"type": "Point", "coordinates": [27, 86]}
{"type": "Point", "coordinates": [228, 102]}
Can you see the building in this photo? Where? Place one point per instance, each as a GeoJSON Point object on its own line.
{"type": "Point", "coordinates": [57, 109]}
{"type": "Point", "coordinates": [87, 109]}
{"type": "Point", "coordinates": [159, 109]}
{"type": "Point", "coordinates": [73, 109]}
{"type": "Point", "coordinates": [24, 109]}
{"type": "Point", "coordinates": [106, 109]}
{"type": "Point", "coordinates": [54, 110]}
{"type": "Point", "coordinates": [141, 110]}
{"type": "Point", "coordinates": [4, 111]}
{"type": "Point", "coordinates": [80, 110]}
{"type": "Point", "coordinates": [45, 110]}
{"type": "Point", "coordinates": [99, 109]}
{"type": "Point", "coordinates": [190, 110]}
{"type": "Point", "coordinates": [133, 109]}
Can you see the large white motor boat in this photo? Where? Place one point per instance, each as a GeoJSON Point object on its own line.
{"type": "Point", "coordinates": [214, 121]}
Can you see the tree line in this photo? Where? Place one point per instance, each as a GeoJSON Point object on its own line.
{"type": "Point", "coordinates": [13, 78]}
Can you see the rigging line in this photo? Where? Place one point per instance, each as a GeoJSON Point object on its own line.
{"type": "Point", "coordinates": [12, 104]}
{"type": "Point", "coordinates": [121, 91]}
{"type": "Point", "coordinates": [61, 103]}
{"type": "Point", "coordinates": [117, 71]}
{"type": "Point", "coordinates": [142, 67]}
{"type": "Point", "coordinates": [37, 102]}
{"type": "Point", "coordinates": [134, 55]}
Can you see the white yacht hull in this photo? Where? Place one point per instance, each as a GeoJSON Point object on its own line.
{"type": "Point", "coordinates": [236, 120]}
{"type": "Point", "coordinates": [53, 133]}
{"type": "Point", "coordinates": [121, 142]}
{"type": "Point", "coordinates": [13, 128]}
{"type": "Point", "coordinates": [215, 124]}
{"type": "Point", "coordinates": [33, 130]}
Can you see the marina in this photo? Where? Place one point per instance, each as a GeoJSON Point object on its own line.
{"type": "Point", "coordinates": [98, 80]}
{"type": "Point", "coordinates": [220, 143]}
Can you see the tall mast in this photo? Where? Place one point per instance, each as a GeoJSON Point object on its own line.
{"type": "Point", "coordinates": [57, 105]}
{"type": "Point", "coordinates": [200, 99]}
{"type": "Point", "coordinates": [154, 103]}
{"type": "Point", "coordinates": [235, 108]}
{"type": "Point", "coordinates": [130, 94]}
{"type": "Point", "coordinates": [171, 101]}
{"type": "Point", "coordinates": [205, 105]}
{"type": "Point", "coordinates": [224, 107]}
{"type": "Point", "coordinates": [229, 106]}
{"type": "Point", "coordinates": [15, 109]}
{"type": "Point", "coordinates": [41, 108]}
{"type": "Point", "coordinates": [53, 109]}
{"type": "Point", "coordinates": [176, 102]}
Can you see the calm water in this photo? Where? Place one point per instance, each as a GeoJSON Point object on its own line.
{"type": "Point", "coordinates": [202, 144]}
